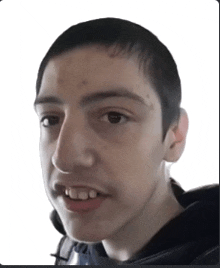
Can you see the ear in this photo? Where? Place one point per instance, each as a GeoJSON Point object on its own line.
{"type": "Point", "coordinates": [176, 138]}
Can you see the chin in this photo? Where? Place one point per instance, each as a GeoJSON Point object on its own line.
{"type": "Point", "coordinates": [86, 230]}
{"type": "Point", "coordinates": [84, 238]}
{"type": "Point", "coordinates": [85, 235]}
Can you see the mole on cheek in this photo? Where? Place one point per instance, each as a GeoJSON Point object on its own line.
{"type": "Point", "coordinates": [83, 83]}
{"type": "Point", "coordinates": [149, 103]}
{"type": "Point", "coordinates": [60, 81]}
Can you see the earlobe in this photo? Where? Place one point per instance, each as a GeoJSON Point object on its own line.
{"type": "Point", "coordinates": [176, 138]}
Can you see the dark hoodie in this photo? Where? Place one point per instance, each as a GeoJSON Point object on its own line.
{"type": "Point", "coordinates": [190, 238]}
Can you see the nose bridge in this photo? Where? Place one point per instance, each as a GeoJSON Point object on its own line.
{"type": "Point", "coordinates": [73, 146]}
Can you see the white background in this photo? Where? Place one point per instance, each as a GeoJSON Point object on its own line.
{"type": "Point", "coordinates": [189, 28]}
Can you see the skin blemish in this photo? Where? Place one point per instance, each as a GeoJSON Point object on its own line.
{"type": "Point", "coordinates": [84, 82]}
{"type": "Point", "coordinates": [60, 81]}
{"type": "Point", "coordinates": [149, 103]}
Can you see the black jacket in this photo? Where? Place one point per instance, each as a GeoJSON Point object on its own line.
{"type": "Point", "coordinates": [190, 238]}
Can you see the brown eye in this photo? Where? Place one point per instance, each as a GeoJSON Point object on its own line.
{"type": "Point", "coordinates": [49, 121]}
{"type": "Point", "coordinates": [115, 118]}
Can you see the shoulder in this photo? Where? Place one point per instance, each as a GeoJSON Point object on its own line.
{"type": "Point", "coordinates": [209, 257]}
{"type": "Point", "coordinates": [64, 250]}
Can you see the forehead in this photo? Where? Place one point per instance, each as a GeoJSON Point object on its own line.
{"type": "Point", "coordinates": [91, 69]}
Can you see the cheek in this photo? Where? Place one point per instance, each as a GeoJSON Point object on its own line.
{"type": "Point", "coordinates": [45, 159]}
{"type": "Point", "coordinates": [137, 154]}
{"type": "Point", "coordinates": [43, 155]}
{"type": "Point", "coordinates": [130, 168]}
{"type": "Point", "coordinates": [149, 144]}
{"type": "Point", "coordinates": [133, 167]}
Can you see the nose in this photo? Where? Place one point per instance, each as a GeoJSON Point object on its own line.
{"type": "Point", "coordinates": [74, 148]}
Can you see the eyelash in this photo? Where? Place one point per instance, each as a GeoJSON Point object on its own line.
{"type": "Point", "coordinates": [114, 114]}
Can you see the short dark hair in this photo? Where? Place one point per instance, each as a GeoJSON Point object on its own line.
{"type": "Point", "coordinates": [157, 62]}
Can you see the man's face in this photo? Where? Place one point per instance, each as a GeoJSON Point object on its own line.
{"type": "Point", "coordinates": [103, 130]}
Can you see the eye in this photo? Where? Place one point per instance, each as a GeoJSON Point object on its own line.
{"type": "Point", "coordinates": [115, 117]}
{"type": "Point", "coordinates": [48, 121]}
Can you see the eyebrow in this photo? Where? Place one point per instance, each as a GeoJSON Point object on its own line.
{"type": "Point", "coordinates": [117, 93]}
{"type": "Point", "coordinates": [46, 100]}
{"type": "Point", "coordinates": [95, 97]}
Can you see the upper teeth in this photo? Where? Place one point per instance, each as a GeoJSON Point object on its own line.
{"type": "Point", "coordinates": [78, 193]}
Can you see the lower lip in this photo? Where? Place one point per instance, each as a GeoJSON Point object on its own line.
{"type": "Point", "coordinates": [83, 206]}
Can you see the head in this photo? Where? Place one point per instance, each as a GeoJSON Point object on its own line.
{"type": "Point", "coordinates": [113, 121]}
{"type": "Point", "coordinates": [127, 38]}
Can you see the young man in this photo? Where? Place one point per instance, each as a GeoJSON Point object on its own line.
{"type": "Point", "coordinates": [108, 100]}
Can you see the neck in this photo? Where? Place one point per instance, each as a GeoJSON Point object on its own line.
{"type": "Point", "coordinates": [128, 241]}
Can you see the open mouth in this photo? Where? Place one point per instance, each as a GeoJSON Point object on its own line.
{"type": "Point", "coordinates": [83, 200]}
{"type": "Point", "coordinates": [83, 206]}
{"type": "Point", "coordinates": [81, 193]}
